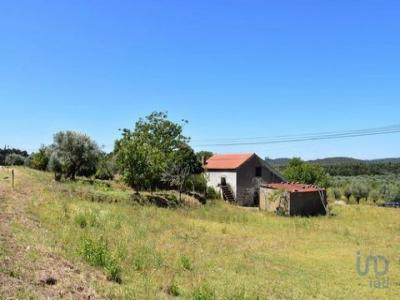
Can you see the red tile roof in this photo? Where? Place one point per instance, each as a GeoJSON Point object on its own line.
{"type": "Point", "coordinates": [227, 161]}
{"type": "Point", "coordinates": [293, 187]}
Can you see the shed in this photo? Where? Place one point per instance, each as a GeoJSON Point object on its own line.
{"type": "Point", "coordinates": [238, 176]}
{"type": "Point", "coordinates": [293, 199]}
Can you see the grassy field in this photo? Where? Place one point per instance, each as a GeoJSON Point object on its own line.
{"type": "Point", "coordinates": [95, 242]}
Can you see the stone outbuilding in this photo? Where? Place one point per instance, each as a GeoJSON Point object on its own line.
{"type": "Point", "coordinates": [293, 199]}
{"type": "Point", "coordinates": [238, 176]}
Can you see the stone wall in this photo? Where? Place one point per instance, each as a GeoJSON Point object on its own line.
{"type": "Point", "coordinates": [273, 200]}
{"type": "Point", "coordinates": [292, 203]}
{"type": "Point", "coordinates": [248, 184]}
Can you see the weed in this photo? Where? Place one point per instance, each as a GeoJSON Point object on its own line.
{"type": "Point", "coordinates": [185, 263]}
{"type": "Point", "coordinates": [203, 293]}
{"type": "Point", "coordinates": [173, 289]}
{"type": "Point", "coordinates": [147, 258]}
{"type": "Point", "coordinates": [80, 219]}
{"type": "Point", "coordinates": [96, 253]}
{"type": "Point", "coordinates": [84, 219]}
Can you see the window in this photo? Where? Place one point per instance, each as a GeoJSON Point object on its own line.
{"type": "Point", "coordinates": [258, 171]}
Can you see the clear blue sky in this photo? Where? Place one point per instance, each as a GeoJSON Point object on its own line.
{"type": "Point", "coordinates": [232, 68]}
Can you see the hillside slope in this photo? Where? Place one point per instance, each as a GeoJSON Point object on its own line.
{"type": "Point", "coordinates": [81, 233]}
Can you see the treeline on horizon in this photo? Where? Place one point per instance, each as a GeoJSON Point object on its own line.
{"type": "Point", "coordinates": [344, 166]}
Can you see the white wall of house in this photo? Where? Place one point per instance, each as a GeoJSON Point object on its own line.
{"type": "Point", "coordinates": [214, 179]}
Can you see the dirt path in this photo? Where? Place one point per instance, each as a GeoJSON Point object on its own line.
{"type": "Point", "coordinates": [28, 268]}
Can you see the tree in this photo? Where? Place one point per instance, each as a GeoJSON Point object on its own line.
{"type": "Point", "coordinates": [203, 155]}
{"type": "Point", "coordinates": [40, 159]}
{"type": "Point", "coordinates": [7, 151]}
{"type": "Point", "coordinates": [14, 159]}
{"type": "Point", "coordinates": [359, 191]}
{"type": "Point", "coordinates": [144, 154]}
{"type": "Point", "coordinates": [55, 165]}
{"type": "Point", "coordinates": [183, 164]}
{"type": "Point", "coordinates": [77, 152]}
{"type": "Point", "coordinates": [299, 171]}
{"type": "Point", "coordinates": [106, 167]}
{"type": "Point", "coordinates": [374, 196]}
{"type": "Point", "coordinates": [337, 193]}
{"type": "Point", "coordinates": [347, 193]}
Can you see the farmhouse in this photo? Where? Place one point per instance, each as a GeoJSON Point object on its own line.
{"type": "Point", "coordinates": [238, 176]}
{"type": "Point", "coordinates": [293, 199]}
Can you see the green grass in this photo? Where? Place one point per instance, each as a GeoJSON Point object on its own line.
{"type": "Point", "coordinates": [216, 251]}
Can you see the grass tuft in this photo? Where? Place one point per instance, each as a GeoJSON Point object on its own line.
{"type": "Point", "coordinates": [185, 263]}
{"type": "Point", "coordinates": [96, 253]}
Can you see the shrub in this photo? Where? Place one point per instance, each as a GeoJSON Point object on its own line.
{"type": "Point", "coordinates": [40, 159]}
{"type": "Point", "coordinates": [80, 219]}
{"type": "Point", "coordinates": [212, 193]}
{"type": "Point", "coordinates": [96, 253]}
{"type": "Point", "coordinates": [197, 183]}
{"type": "Point", "coordinates": [105, 168]}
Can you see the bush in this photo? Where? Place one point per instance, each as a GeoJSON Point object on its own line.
{"type": "Point", "coordinates": [40, 159]}
{"type": "Point", "coordinates": [197, 182]}
{"type": "Point", "coordinates": [14, 159]}
{"type": "Point", "coordinates": [105, 169]}
{"type": "Point", "coordinates": [96, 253]}
{"type": "Point", "coordinates": [212, 193]}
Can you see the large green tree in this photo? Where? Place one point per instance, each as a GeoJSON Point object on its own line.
{"type": "Point", "coordinates": [299, 171]}
{"type": "Point", "coordinates": [145, 153]}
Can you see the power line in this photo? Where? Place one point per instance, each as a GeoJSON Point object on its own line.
{"type": "Point", "coordinates": [220, 140]}
{"type": "Point", "coordinates": [304, 137]}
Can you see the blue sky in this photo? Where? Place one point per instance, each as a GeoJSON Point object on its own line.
{"type": "Point", "coordinates": [232, 68]}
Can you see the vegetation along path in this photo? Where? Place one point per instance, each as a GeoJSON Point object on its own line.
{"type": "Point", "coordinates": [86, 240]}
{"type": "Point", "coordinates": [30, 265]}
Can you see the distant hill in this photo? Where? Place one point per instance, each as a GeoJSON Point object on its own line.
{"type": "Point", "coordinates": [331, 161]}
{"type": "Point", "coordinates": [348, 166]}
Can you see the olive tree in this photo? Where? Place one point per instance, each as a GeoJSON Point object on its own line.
{"type": "Point", "coordinates": [77, 153]}
{"type": "Point", "coordinates": [14, 159]}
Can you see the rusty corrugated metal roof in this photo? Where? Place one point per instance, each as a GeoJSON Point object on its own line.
{"type": "Point", "coordinates": [293, 187]}
{"type": "Point", "coordinates": [227, 161]}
